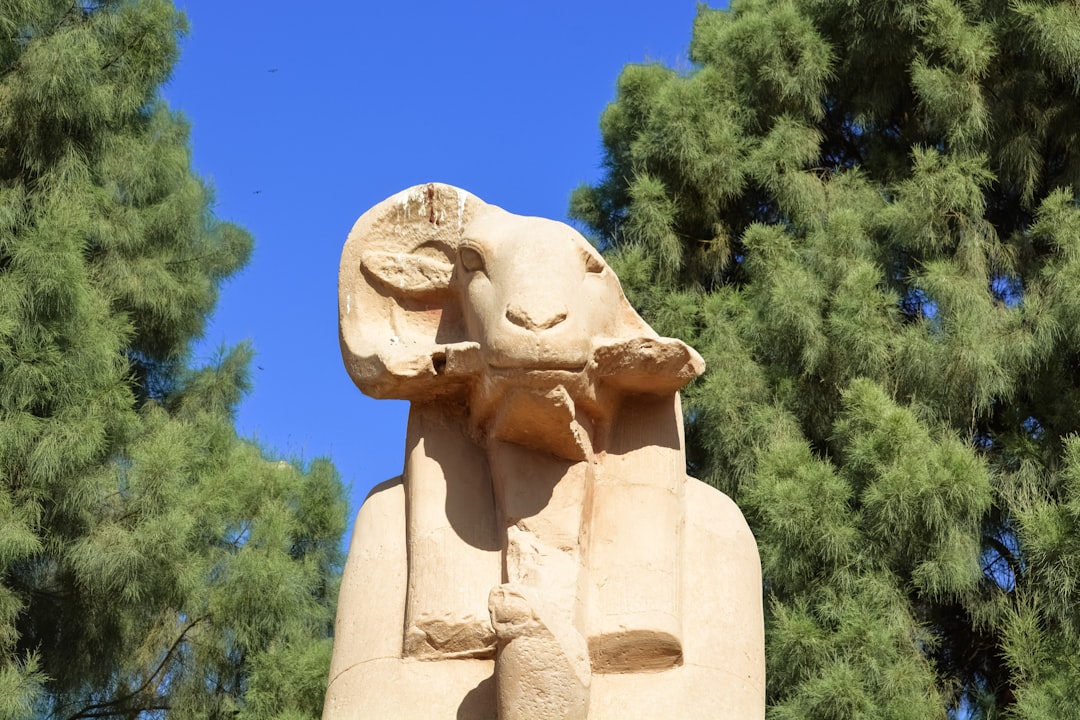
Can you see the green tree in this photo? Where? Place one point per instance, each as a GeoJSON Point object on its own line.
{"type": "Point", "coordinates": [152, 563]}
{"type": "Point", "coordinates": [865, 215]}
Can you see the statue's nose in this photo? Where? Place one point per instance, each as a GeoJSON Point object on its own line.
{"type": "Point", "coordinates": [535, 319]}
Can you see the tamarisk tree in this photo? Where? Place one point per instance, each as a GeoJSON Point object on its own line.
{"type": "Point", "coordinates": [865, 216]}
{"type": "Point", "coordinates": [152, 564]}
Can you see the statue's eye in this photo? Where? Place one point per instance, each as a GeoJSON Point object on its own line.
{"type": "Point", "coordinates": [593, 263]}
{"type": "Point", "coordinates": [471, 259]}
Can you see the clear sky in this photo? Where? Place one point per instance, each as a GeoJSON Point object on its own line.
{"type": "Point", "coordinates": [304, 115]}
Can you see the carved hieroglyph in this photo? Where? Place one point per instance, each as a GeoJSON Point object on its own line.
{"type": "Point", "coordinates": [544, 554]}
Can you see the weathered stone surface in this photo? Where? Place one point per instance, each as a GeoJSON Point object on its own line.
{"type": "Point", "coordinates": [543, 554]}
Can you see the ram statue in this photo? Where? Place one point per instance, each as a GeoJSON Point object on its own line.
{"type": "Point", "coordinates": [544, 554]}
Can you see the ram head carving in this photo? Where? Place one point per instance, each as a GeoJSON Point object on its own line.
{"type": "Point", "coordinates": [441, 294]}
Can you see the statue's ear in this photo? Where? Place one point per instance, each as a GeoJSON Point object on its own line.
{"type": "Point", "coordinates": [411, 273]}
{"type": "Point", "coordinates": [656, 365]}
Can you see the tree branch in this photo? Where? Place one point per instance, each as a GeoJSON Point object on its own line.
{"type": "Point", "coordinates": [103, 709]}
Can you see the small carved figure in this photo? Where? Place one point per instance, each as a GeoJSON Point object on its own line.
{"type": "Point", "coordinates": [544, 554]}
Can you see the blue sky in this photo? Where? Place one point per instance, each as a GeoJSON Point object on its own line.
{"type": "Point", "coordinates": [305, 115]}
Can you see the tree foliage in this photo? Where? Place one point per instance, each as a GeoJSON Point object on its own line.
{"type": "Point", "coordinates": [865, 215]}
{"type": "Point", "coordinates": [151, 562]}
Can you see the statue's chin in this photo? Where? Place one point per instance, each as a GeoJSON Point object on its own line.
{"type": "Point", "coordinates": [538, 379]}
{"type": "Point", "coordinates": [540, 360]}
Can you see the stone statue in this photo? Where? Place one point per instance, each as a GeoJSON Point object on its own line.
{"type": "Point", "coordinates": [544, 554]}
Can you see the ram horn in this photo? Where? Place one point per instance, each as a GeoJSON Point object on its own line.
{"type": "Point", "coordinates": [398, 321]}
